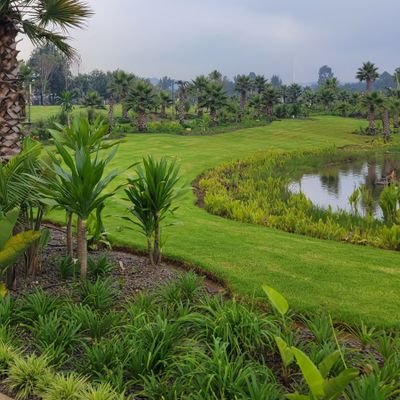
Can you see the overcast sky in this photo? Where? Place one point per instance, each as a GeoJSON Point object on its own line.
{"type": "Point", "coordinates": [185, 38]}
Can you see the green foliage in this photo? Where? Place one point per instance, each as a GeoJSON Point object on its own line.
{"type": "Point", "coordinates": [67, 267]}
{"type": "Point", "coordinates": [152, 194]}
{"type": "Point", "coordinates": [65, 387]}
{"type": "Point", "coordinates": [37, 304]}
{"type": "Point", "coordinates": [257, 191]}
{"type": "Point", "coordinates": [28, 376]}
{"type": "Point", "coordinates": [101, 267]}
{"type": "Point", "coordinates": [99, 295]}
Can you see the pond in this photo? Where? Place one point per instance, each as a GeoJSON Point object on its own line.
{"type": "Point", "coordinates": [332, 185]}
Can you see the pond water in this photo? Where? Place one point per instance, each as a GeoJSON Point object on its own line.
{"type": "Point", "coordinates": [333, 185]}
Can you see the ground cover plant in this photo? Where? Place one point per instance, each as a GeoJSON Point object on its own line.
{"type": "Point", "coordinates": [257, 191]}
{"type": "Point", "coordinates": [210, 347]}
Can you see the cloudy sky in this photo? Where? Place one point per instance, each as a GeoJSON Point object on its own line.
{"type": "Point", "coordinates": [184, 38]}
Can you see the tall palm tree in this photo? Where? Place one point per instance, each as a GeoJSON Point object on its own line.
{"type": "Point", "coordinates": [92, 101]}
{"type": "Point", "coordinates": [38, 20]}
{"type": "Point", "coordinates": [368, 73]}
{"type": "Point", "coordinates": [242, 86]}
{"type": "Point", "coordinates": [215, 76]}
{"type": "Point", "coordinates": [182, 92]}
{"type": "Point", "coordinates": [395, 110]}
{"type": "Point", "coordinates": [371, 103]}
{"type": "Point", "coordinates": [259, 83]}
{"type": "Point", "coordinates": [122, 81]}
{"type": "Point", "coordinates": [385, 114]}
{"type": "Point", "coordinates": [270, 97]}
{"type": "Point", "coordinates": [198, 86]}
{"type": "Point", "coordinates": [165, 102]}
{"type": "Point", "coordinates": [66, 101]}
{"type": "Point", "coordinates": [257, 103]}
{"type": "Point", "coordinates": [214, 99]}
{"type": "Point", "coordinates": [141, 99]}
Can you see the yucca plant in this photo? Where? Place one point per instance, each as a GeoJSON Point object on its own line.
{"type": "Point", "coordinates": [79, 184]}
{"type": "Point", "coordinates": [152, 194]}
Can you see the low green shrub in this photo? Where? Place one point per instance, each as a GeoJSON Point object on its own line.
{"type": "Point", "coordinates": [28, 376]}
{"type": "Point", "coordinates": [99, 295]}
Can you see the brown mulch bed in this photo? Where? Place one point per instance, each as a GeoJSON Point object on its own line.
{"type": "Point", "coordinates": [132, 272]}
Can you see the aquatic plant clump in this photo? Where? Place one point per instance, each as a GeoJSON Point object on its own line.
{"type": "Point", "coordinates": [257, 191]}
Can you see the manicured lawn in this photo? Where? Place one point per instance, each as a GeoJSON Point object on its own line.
{"type": "Point", "coordinates": [44, 112]}
{"type": "Point", "coordinates": [352, 282]}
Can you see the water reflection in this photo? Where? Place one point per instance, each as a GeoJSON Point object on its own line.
{"type": "Point", "coordinates": [334, 184]}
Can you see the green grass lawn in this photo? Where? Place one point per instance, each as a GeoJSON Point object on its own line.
{"type": "Point", "coordinates": [352, 282]}
{"type": "Point", "coordinates": [44, 112]}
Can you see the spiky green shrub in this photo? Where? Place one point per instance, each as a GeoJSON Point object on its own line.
{"type": "Point", "coordinates": [28, 376]}
{"type": "Point", "coordinates": [99, 295]}
{"type": "Point", "coordinates": [65, 387]}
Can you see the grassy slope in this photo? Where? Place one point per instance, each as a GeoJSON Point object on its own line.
{"type": "Point", "coordinates": [350, 281]}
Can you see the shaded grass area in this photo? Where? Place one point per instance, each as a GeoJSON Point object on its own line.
{"type": "Point", "coordinates": [349, 281]}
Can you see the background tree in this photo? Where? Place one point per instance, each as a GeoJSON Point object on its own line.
{"type": "Point", "coordinates": [141, 99]}
{"type": "Point", "coordinates": [182, 92]}
{"type": "Point", "coordinates": [324, 73]}
{"type": "Point", "coordinates": [35, 19]}
{"type": "Point", "coordinates": [371, 103]}
{"type": "Point", "coordinates": [242, 86]}
{"type": "Point", "coordinates": [66, 101]}
{"type": "Point", "coordinates": [198, 87]}
{"type": "Point", "coordinates": [165, 102]}
{"type": "Point", "coordinates": [259, 83]}
{"type": "Point", "coordinates": [93, 101]}
{"type": "Point", "coordinates": [368, 73]}
{"type": "Point", "coordinates": [276, 81]}
{"type": "Point", "coordinates": [122, 81]}
{"type": "Point", "coordinates": [214, 99]}
{"type": "Point", "coordinates": [270, 97]}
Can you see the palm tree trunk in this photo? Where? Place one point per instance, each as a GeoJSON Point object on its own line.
{"type": "Point", "coordinates": [69, 119]}
{"type": "Point", "coordinates": [181, 110]}
{"type": "Point", "coordinates": [213, 115]}
{"type": "Point", "coordinates": [124, 110]}
{"type": "Point", "coordinates": [369, 85]}
{"type": "Point", "coordinates": [82, 247]}
{"type": "Point", "coordinates": [70, 250]}
{"type": "Point", "coordinates": [142, 122]}
{"type": "Point", "coordinates": [111, 120]}
{"type": "Point", "coordinates": [371, 122]}
{"type": "Point", "coordinates": [163, 111]}
{"type": "Point", "coordinates": [12, 104]}
{"type": "Point", "coordinates": [386, 124]}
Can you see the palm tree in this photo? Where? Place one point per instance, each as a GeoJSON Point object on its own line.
{"type": "Point", "coordinates": [242, 86]}
{"type": "Point", "coordinates": [113, 91]}
{"type": "Point", "coordinates": [327, 97]}
{"type": "Point", "coordinates": [214, 99]}
{"type": "Point", "coordinates": [141, 99]}
{"type": "Point", "coordinates": [385, 114]}
{"type": "Point", "coordinates": [38, 20]}
{"type": "Point", "coordinates": [371, 103]}
{"type": "Point", "coordinates": [182, 92]}
{"type": "Point", "coordinates": [215, 76]}
{"type": "Point", "coordinates": [92, 101]}
{"type": "Point", "coordinates": [165, 102]}
{"type": "Point", "coordinates": [198, 86]}
{"type": "Point", "coordinates": [257, 103]}
{"type": "Point", "coordinates": [368, 73]}
{"type": "Point", "coordinates": [66, 101]}
{"type": "Point", "coordinates": [395, 110]}
{"type": "Point", "coordinates": [122, 81]}
{"type": "Point", "coordinates": [270, 97]}
{"type": "Point", "coordinates": [259, 83]}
